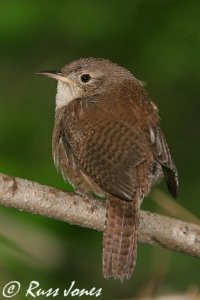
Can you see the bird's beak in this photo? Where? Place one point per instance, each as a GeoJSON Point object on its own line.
{"type": "Point", "coordinates": [57, 75]}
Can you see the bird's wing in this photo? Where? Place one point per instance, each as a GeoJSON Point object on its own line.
{"type": "Point", "coordinates": [66, 164]}
{"type": "Point", "coordinates": [162, 154]}
{"type": "Point", "coordinates": [105, 145]}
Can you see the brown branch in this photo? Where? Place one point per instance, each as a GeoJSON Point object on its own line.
{"type": "Point", "coordinates": [154, 229]}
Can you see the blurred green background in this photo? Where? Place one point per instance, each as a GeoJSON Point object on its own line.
{"type": "Point", "coordinates": [159, 41]}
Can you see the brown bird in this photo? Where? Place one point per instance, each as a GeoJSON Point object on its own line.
{"type": "Point", "coordinates": [107, 141]}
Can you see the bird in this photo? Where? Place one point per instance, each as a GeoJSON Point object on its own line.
{"type": "Point", "coordinates": [107, 141]}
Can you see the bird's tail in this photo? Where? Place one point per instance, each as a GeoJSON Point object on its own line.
{"type": "Point", "coordinates": [120, 237]}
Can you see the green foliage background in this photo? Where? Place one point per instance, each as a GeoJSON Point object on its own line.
{"type": "Point", "coordinates": [159, 41]}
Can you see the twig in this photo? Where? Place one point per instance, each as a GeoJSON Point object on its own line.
{"type": "Point", "coordinates": [154, 229]}
{"type": "Point", "coordinates": [173, 208]}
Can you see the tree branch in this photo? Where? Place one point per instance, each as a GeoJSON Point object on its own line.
{"type": "Point", "coordinates": [154, 229]}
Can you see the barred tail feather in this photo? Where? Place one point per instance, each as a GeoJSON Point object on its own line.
{"type": "Point", "coordinates": [120, 237]}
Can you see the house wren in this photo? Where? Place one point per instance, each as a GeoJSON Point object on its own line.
{"type": "Point", "coordinates": [107, 141]}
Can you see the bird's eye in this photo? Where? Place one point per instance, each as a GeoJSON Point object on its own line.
{"type": "Point", "coordinates": [85, 78]}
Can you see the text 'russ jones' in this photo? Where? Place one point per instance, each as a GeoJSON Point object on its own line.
{"type": "Point", "coordinates": [34, 290]}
